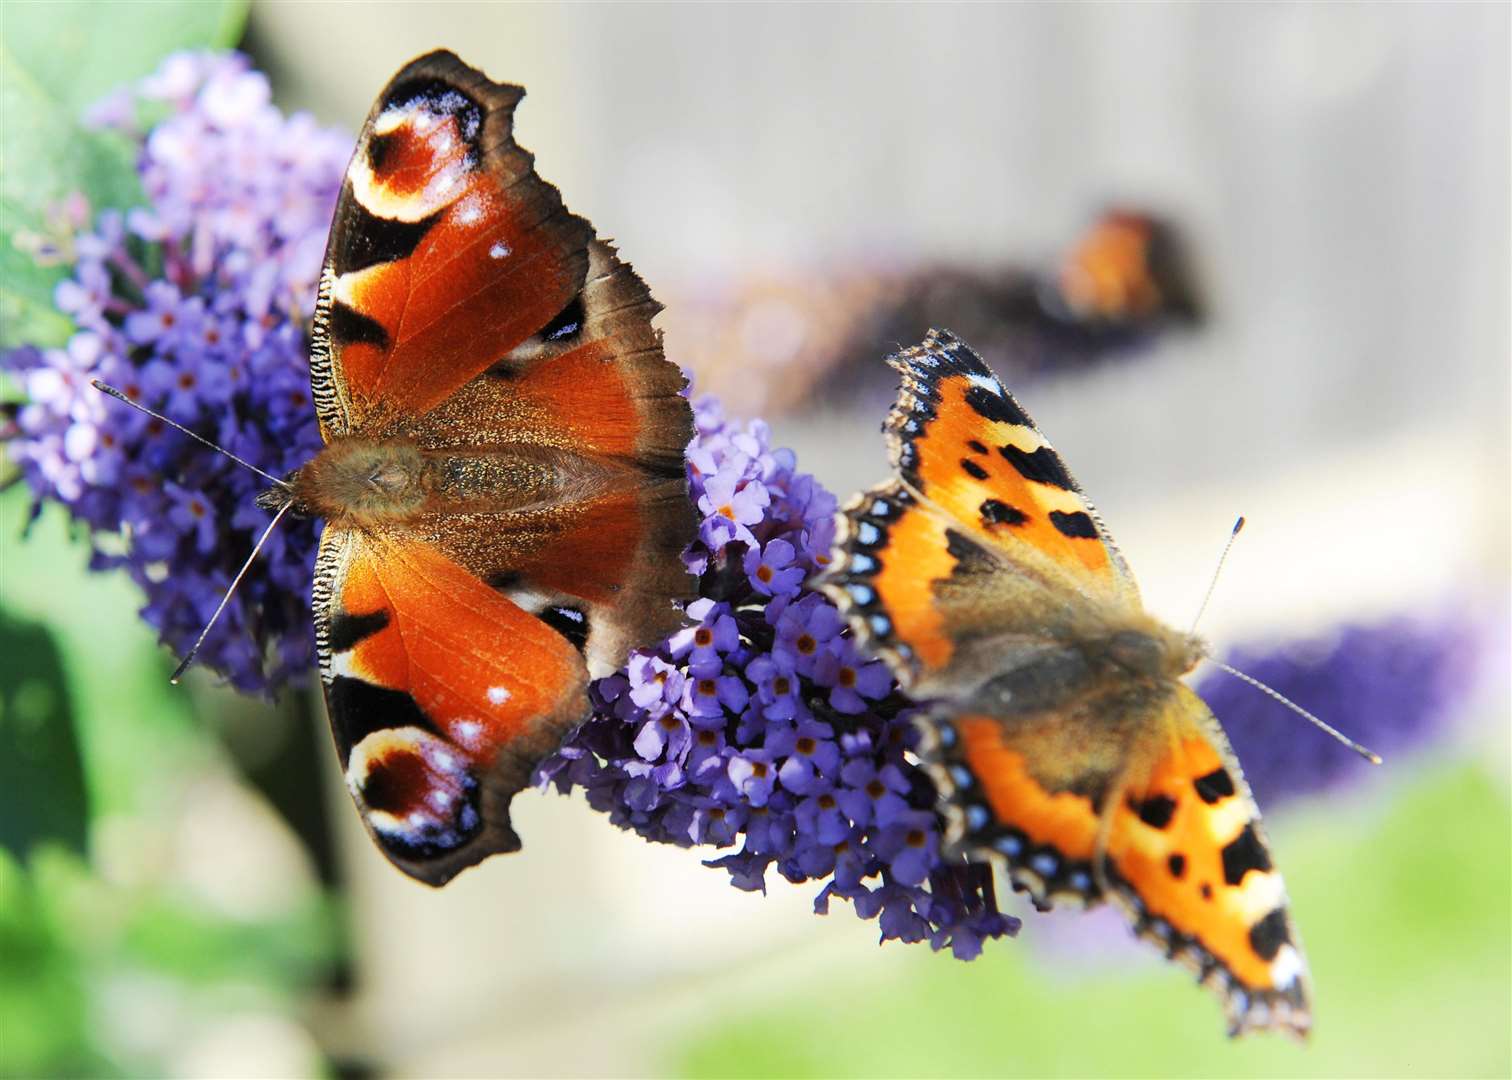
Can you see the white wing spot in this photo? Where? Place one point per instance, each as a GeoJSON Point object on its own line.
{"type": "Point", "coordinates": [466, 732]}
{"type": "Point", "coordinates": [1287, 966]}
{"type": "Point", "coordinates": [498, 695]}
{"type": "Point", "coordinates": [499, 251]}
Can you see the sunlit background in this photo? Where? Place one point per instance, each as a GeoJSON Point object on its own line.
{"type": "Point", "coordinates": [185, 888]}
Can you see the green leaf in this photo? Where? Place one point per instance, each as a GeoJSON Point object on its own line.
{"type": "Point", "coordinates": [54, 63]}
{"type": "Point", "coordinates": [96, 47]}
{"type": "Point", "coordinates": [26, 307]}
{"type": "Point", "coordinates": [43, 995]}
{"type": "Point", "coordinates": [41, 775]}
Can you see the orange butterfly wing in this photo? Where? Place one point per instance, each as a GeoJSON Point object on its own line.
{"type": "Point", "coordinates": [466, 320]}
{"type": "Point", "coordinates": [961, 442]}
{"type": "Point", "coordinates": [988, 581]}
{"type": "Point", "coordinates": [446, 251]}
{"type": "Point", "coordinates": [980, 490]}
{"type": "Point", "coordinates": [443, 694]}
{"type": "Point", "coordinates": [1187, 858]}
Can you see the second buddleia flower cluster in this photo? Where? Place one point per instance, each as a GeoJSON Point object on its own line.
{"type": "Point", "coordinates": [760, 728]}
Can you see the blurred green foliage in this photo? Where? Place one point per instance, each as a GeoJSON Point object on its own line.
{"type": "Point", "coordinates": [1404, 910]}
{"type": "Point", "coordinates": [40, 771]}
{"type": "Point", "coordinates": [55, 61]}
{"type": "Point", "coordinates": [78, 937]}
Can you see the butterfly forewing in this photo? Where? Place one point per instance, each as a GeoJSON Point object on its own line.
{"type": "Point", "coordinates": [961, 442]}
{"type": "Point", "coordinates": [446, 250]}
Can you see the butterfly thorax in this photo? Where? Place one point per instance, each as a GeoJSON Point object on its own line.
{"type": "Point", "coordinates": [1137, 655]}
{"type": "Point", "coordinates": [360, 482]}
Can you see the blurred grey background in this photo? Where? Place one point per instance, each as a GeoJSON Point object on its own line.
{"type": "Point", "coordinates": [1342, 175]}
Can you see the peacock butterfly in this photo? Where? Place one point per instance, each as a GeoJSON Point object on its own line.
{"type": "Point", "coordinates": [502, 484]}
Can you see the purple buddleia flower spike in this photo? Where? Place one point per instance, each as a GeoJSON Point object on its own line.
{"type": "Point", "coordinates": [196, 304]}
{"type": "Point", "coordinates": [760, 729]}
{"type": "Point", "coordinates": [1389, 685]}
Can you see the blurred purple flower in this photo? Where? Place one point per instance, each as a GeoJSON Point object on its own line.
{"type": "Point", "coordinates": [1388, 685]}
{"type": "Point", "coordinates": [760, 725]}
{"type": "Point", "coordinates": [196, 304]}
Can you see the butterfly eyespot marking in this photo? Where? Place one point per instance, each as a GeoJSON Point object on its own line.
{"type": "Point", "coordinates": [880, 625]}
{"type": "Point", "coordinates": [973, 470]}
{"type": "Point", "coordinates": [977, 817]}
{"type": "Point", "coordinates": [961, 777]}
{"type": "Point", "coordinates": [1077, 526]}
{"type": "Point", "coordinates": [868, 535]}
{"type": "Point", "coordinates": [1042, 466]}
{"type": "Point", "coordinates": [1216, 785]}
{"type": "Point", "coordinates": [1243, 854]}
{"type": "Point", "coordinates": [1176, 864]}
{"type": "Point", "coordinates": [997, 512]}
{"type": "Point", "coordinates": [423, 103]}
{"type": "Point", "coordinates": [568, 322]}
{"type": "Point", "coordinates": [420, 797]}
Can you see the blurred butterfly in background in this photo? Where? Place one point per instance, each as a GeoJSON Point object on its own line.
{"type": "Point", "coordinates": [1063, 742]}
{"type": "Point", "coordinates": [502, 483]}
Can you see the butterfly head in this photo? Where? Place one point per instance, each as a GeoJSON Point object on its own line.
{"type": "Point", "coordinates": [1153, 650]}
{"type": "Point", "coordinates": [281, 495]}
{"type": "Point", "coordinates": [355, 479]}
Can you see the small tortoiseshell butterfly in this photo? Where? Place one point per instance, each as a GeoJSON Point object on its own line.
{"type": "Point", "coordinates": [1064, 744]}
{"type": "Point", "coordinates": [502, 483]}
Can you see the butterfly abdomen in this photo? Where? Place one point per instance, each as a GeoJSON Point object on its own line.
{"type": "Point", "coordinates": [391, 483]}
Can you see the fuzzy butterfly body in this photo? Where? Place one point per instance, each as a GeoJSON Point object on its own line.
{"type": "Point", "coordinates": [503, 482]}
{"type": "Point", "coordinates": [1064, 744]}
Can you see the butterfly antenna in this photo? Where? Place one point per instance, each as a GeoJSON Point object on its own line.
{"type": "Point", "coordinates": [1369, 755]}
{"type": "Point", "coordinates": [106, 388]}
{"type": "Point", "coordinates": [178, 672]}
{"type": "Point", "coordinates": [1213, 584]}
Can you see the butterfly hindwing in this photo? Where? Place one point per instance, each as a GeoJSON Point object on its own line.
{"type": "Point", "coordinates": [999, 806]}
{"type": "Point", "coordinates": [442, 695]}
{"type": "Point", "coordinates": [1187, 858]}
